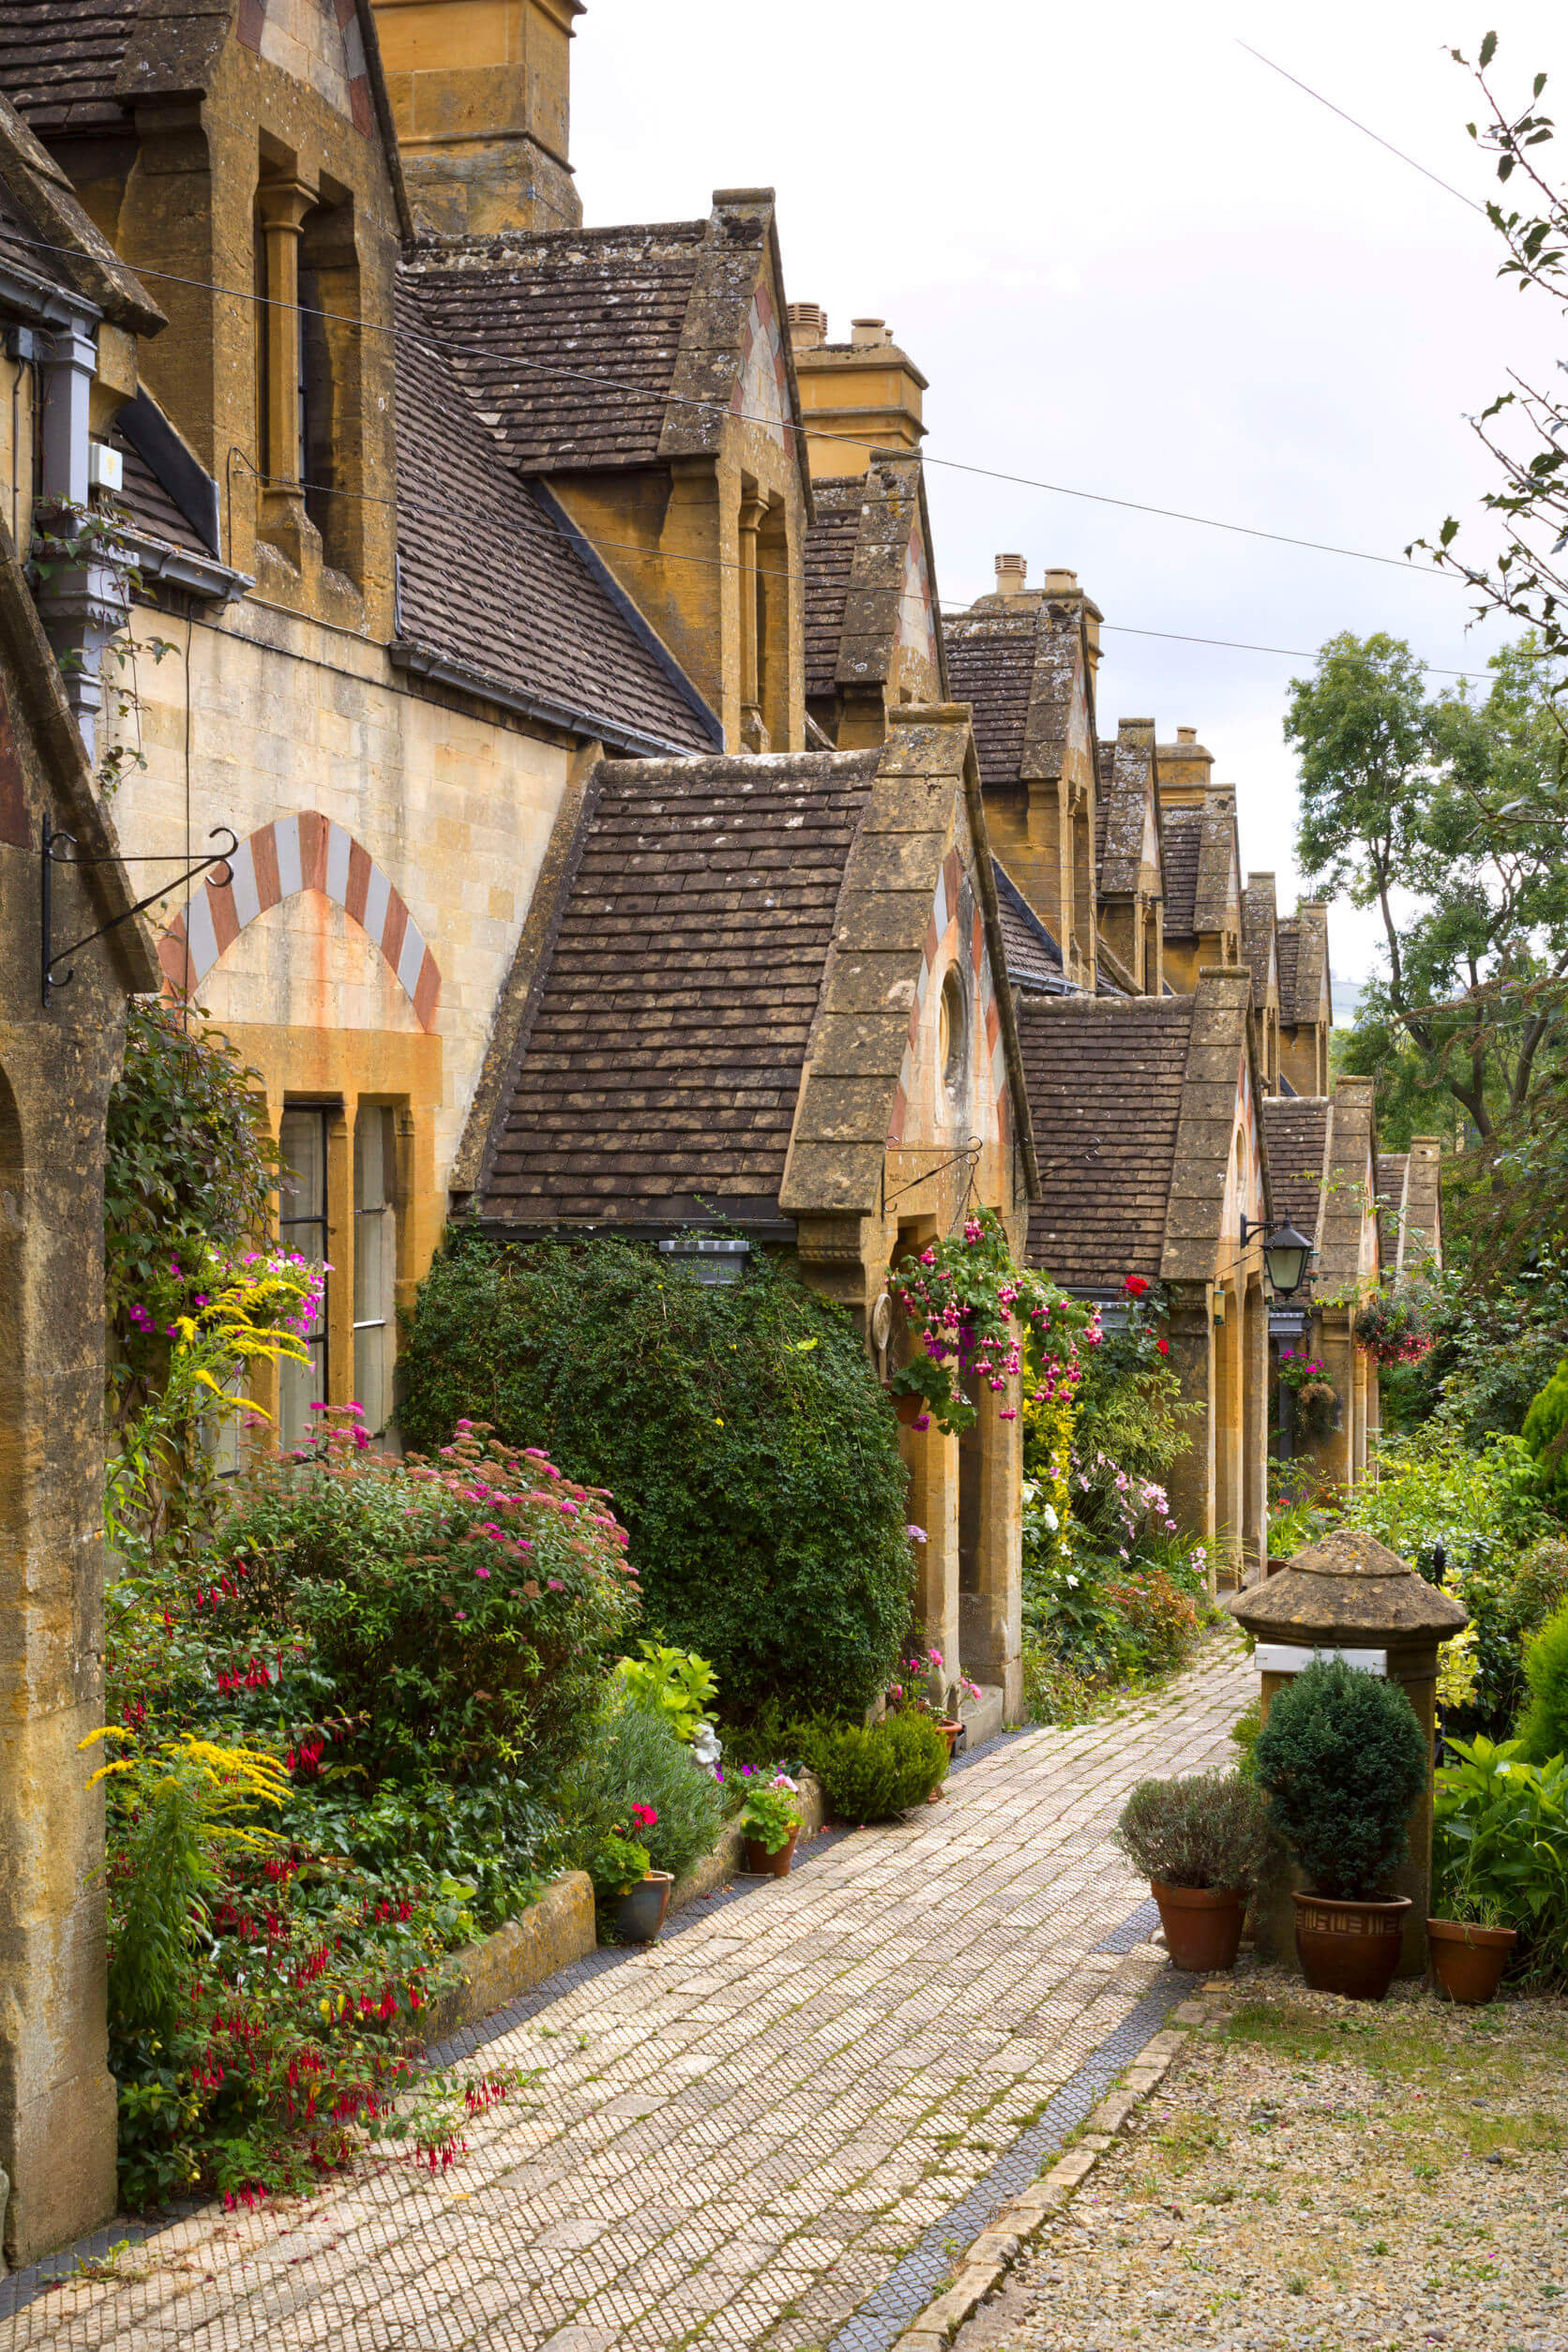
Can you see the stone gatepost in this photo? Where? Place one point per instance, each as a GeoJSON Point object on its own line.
{"type": "Point", "coordinates": [991, 1559]}
{"type": "Point", "coordinates": [1350, 1597]}
{"type": "Point", "coordinates": [1191, 1484]}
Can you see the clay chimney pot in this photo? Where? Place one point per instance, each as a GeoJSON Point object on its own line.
{"type": "Point", "coordinates": [1011, 573]}
{"type": "Point", "coordinates": [808, 325]}
{"type": "Point", "coordinates": [867, 331]}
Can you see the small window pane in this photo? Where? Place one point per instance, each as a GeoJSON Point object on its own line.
{"type": "Point", "coordinates": [302, 1227]}
{"type": "Point", "coordinates": [375, 1263]}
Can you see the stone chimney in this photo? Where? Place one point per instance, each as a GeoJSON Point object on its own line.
{"type": "Point", "coordinates": [856, 398]}
{"type": "Point", "coordinates": [1012, 575]}
{"type": "Point", "coordinates": [808, 325]}
{"type": "Point", "coordinates": [480, 93]}
{"type": "Point", "coordinates": [1059, 582]}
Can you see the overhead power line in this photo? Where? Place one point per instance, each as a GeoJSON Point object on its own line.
{"type": "Point", "coordinates": [1365, 131]}
{"type": "Point", "coordinates": [597, 380]}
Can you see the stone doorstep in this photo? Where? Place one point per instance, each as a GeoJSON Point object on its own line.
{"type": "Point", "coordinates": [994, 2251]}
{"type": "Point", "coordinates": [558, 1929]}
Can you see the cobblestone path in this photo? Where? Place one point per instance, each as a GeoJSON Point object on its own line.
{"type": "Point", "coordinates": [739, 2135]}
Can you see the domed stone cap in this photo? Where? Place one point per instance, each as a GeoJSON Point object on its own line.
{"type": "Point", "coordinates": [1348, 1584]}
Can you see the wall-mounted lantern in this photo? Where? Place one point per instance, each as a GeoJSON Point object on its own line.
{"type": "Point", "coordinates": [1287, 1255]}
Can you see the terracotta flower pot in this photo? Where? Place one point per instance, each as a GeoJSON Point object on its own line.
{"type": "Point", "coordinates": [950, 1733]}
{"type": "Point", "coordinates": [761, 1864]}
{"type": "Point", "coordinates": [1202, 1925]}
{"type": "Point", "coordinates": [1350, 1948]}
{"type": "Point", "coordinates": [640, 1909]}
{"type": "Point", "coordinates": [1469, 1961]}
{"type": "Point", "coordinates": [908, 1406]}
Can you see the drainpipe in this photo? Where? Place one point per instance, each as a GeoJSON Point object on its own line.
{"type": "Point", "coordinates": [83, 604]}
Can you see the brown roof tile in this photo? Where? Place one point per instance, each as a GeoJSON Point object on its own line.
{"type": "Point", "coordinates": [665, 1044]}
{"type": "Point", "coordinates": [1295, 1135]}
{"type": "Point", "coordinates": [990, 665]}
{"type": "Point", "coordinates": [1184, 831]}
{"type": "Point", "coordinates": [1105, 1078]}
{"type": "Point", "coordinates": [567, 343]}
{"type": "Point", "coordinates": [59, 60]}
{"type": "Point", "coordinates": [487, 579]}
{"type": "Point", "coordinates": [830, 546]}
{"type": "Point", "coordinates": [1034, 956]}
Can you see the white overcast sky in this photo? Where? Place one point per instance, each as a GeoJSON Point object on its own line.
{"type": "Point", "coordinates": [1131, 260]}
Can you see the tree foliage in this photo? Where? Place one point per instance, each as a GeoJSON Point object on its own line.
{"type": "Point", "coordinates": [740, 1428]}
{"type": "Point", "coordinates": [1405, 807]}
{"type": "Point", "coordinates": [1525, 430]}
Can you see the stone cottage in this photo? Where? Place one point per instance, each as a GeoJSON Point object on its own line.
{"type": "Point", "coordinates": [1325, 1167]}
{"type": "Point", "coordinates": [1151, 1152]}
{"type": "Point", "coordinates": [772, 990]}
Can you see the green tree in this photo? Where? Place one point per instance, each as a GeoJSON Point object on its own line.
{"type": "Point", "coordinates": [1525, 430]}
{"type": "Point", "coordinates": [1412, 803]}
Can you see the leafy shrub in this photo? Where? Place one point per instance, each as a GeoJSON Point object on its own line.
{"type": "Point", "coordinates": [740, 1428]}
{"type": "Point", "coordinates": [261, 1995]}
{"type": "Point", "coordinates": [1500, 1843]}
{"type": "Point", "coordinates": [462, 1614]}
{"type": "Point", "coordinates": [1128, 1401]}
{"type": "Point", "coordinates": [871, 1771]}
{"type": "Point", "coordinates": [1546, 1433]}
{"type": "Point", "coordinates": [675, 1684]}
{"type": "Point", "coordinates": [1067, 1607]}
{"type": "Point", "coordinates": [636, 1765]}
{"type": "Point", "coordinates": [1211, 1829]}
{"type": "Point", "coordinates": [1053, 1690]}
{"type": "Point", "coordinates": [1543, 1731]}
{"type": "Point", "coordinates": [1509, 1601]}
{"type": "Point", "coordinates": [1342, 1758]}
{"type": "Point", "coordinates": [1244, 1736]}
{"type": "Point", "coordinates": [1432, 1488]}
{"type": "Point", "coordinates": [190, 1166]}
{"type": "Point", "coordinates": [1160, 1618]}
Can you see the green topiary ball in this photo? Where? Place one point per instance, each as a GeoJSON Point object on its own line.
{"type": "Point", "coordinates": [1342, 1758]}
{"type": "Point", "coordinates": [1544, 1727]}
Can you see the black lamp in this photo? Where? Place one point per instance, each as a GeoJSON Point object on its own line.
{"type": "Point", "coordinates": [1286, 1254]}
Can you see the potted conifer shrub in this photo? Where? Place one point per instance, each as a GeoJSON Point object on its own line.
{"type": "Point", "coordinates": [1343, 1759]}
{"type": "Point", "coordinates": [1202, 1843]}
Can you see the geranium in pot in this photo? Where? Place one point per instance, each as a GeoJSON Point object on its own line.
{"type": "Point", "coordinates": [1202, 1843]}
{"type": "Point", "coordinates": [1343, 1760]}
{"type": "Point", "coordinates": [636, 1897]}
{"type": "Point", "coordinates": [770, 1823]}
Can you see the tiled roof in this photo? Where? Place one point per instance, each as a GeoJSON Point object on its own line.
{"type": "Point", "coordinates": [1258, 921]}
{"type": "Point", "coordinates": [59, 59]}
{"type": "Point", "coordinates": [990, 664]}
{"type": "Point", "coordinates": [1391, 1198]}
{"type": "Point", "coordinates": [46, 234]}
{"type": "Point", "coordinates": [663, 1056]}
{"type": "Point", "coordinates": [1295, 1135]}
{"type": "Point", "coordinates": [1105, 1078]}
{"type": "Point", "coordinates": [152, 510]}
{"type": "Point", "coordinates": [566, 343]}
{"type": "Point", "coordinates": [1302, 946]}
{"type": "Point", "coordinates": [1033, 957]}
{"type": "Point", "coordinates": [830, 546]}
{"type": "Point", "coordinates": [1183, 829]}
{"type": "Point", "coordinates": [1286, 938]}
{"type": "Point", "coordinates": [487, 579]}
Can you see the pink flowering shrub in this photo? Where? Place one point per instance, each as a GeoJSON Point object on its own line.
{"type": "Point", "coordinates": [465, 1610]}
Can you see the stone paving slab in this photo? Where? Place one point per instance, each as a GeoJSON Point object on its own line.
{"type": "Point", "coordinates": [740, 2136]}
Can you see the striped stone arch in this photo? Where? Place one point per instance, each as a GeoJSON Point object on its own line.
{"type": "Point", "coordinates": [305, 852]}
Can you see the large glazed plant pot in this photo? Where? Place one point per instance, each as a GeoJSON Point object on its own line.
{"type": "Point", "coordinates": [761, 1864]}
{"type": "Point", "coordinates": [1202, 1925]}
{"type": "Point", "coordinates": [1350, 1948]}
{"type": "Point", "coordinates": [639, 1910]}
{"type": "Point", "coordinates": [1466, 1961]}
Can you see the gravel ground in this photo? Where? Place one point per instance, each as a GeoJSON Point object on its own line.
{"type": "Point", "coordinates": [1319, 2172]}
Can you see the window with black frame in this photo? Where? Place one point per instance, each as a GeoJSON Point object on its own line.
{"type": "Point", "coordinates": [302, 1226]}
